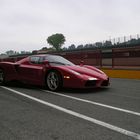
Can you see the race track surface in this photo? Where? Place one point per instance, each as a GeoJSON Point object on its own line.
{"type": "Point", "coordinates": [34, 113]}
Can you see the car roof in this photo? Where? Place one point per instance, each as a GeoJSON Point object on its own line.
{"type": "Point", "coordinates": [43, 55]}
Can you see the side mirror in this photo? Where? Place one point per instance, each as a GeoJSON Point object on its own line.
{"type": "Point", "coordinates": [46, 63]}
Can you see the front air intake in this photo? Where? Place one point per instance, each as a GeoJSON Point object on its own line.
{"type": "Point", "coordinates": [105, 82]}
{"type": "Point", "coordinates": [91, 83]}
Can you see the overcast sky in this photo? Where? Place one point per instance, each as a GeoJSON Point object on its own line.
{"type": "Point", "coordinates": [25, 24]}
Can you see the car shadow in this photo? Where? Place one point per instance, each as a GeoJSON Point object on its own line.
{"type": "Point", "coordinates": [84, 91]}
{"type": "Point", "coordinates": [17, 84]}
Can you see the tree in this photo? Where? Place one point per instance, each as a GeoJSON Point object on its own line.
{"type": "Point", "coordinates": [64, 49]}
{"type": "Point", "coordinates": [108, 43]}
{"type": "Point", "coordinates": [99, 44]}
{"type": "Point", "coordinates": [44, 49]}
{"type": "Point", "coordinates": [80, 47]}
{"type": "Point", "coordinates": [56, 40]}
{"type": "Point", "coordinates": [71, 47]}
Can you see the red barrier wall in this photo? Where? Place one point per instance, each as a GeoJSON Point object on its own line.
{"type": "Point", "coordinates": [112, 58]}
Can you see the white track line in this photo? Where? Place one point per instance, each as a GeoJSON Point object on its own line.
{"type": "Point", "coordinates": [94, 103]}
{"type": "Point", "coordinates": [106, 125]}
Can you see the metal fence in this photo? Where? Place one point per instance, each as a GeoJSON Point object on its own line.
{"type": "Point", "coordinates": [124, 39]}
{"type": "Point", "coordinates": [119, 42]}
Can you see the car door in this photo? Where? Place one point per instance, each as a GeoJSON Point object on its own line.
{"type": "Point", "coordinates": [32, 71]}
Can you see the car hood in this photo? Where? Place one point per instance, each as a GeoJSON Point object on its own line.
{"type": "Point", "coordinates": [88, 71]}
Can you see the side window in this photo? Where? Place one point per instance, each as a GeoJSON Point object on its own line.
{"type": "Point", "coordinates": [34, 59]}
{"type": "Point", "coordinates": [41, 59]}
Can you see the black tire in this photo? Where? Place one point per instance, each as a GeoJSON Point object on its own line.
{"type": "Point", "coordinates": [2, 77]}
{"type": "Point", "coordinates": [54, 80]}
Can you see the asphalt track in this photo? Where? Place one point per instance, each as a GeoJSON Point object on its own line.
{"type": "Point", "coordinates": [34, 113]}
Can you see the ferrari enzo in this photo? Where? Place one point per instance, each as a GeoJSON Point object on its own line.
{"type": "Point", "coordinates": [52, 71]}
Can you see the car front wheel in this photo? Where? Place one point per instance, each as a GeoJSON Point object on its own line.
{"type": "Point", "coordinates": [54, 80]}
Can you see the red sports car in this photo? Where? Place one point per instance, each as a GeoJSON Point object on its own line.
{"type": "Point", "coordinates": [53, 72]}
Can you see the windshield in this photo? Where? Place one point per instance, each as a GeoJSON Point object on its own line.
{"type": "Point", "coordinates": [58, 60]}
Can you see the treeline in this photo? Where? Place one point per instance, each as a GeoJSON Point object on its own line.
{"type": "Point", "coordinates": [105, 44]}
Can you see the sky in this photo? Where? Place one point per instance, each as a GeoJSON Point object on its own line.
{"type": "Point", "coordinates": [26, 24]}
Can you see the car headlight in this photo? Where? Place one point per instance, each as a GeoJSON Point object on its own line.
{"type": "Point", "coordinates": [92, 78]}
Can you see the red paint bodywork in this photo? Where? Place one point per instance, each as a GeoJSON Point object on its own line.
{"type": "Point", "coordinates": [35, 74]}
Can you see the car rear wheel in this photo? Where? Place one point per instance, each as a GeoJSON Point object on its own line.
{"type": "Point", "coordinates": [1, 77]}
{"type": "Point", "coordinates": [54, 81]}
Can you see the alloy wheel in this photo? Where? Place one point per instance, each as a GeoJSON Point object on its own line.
{"type": "Point", "coordinates": [53, 81]}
